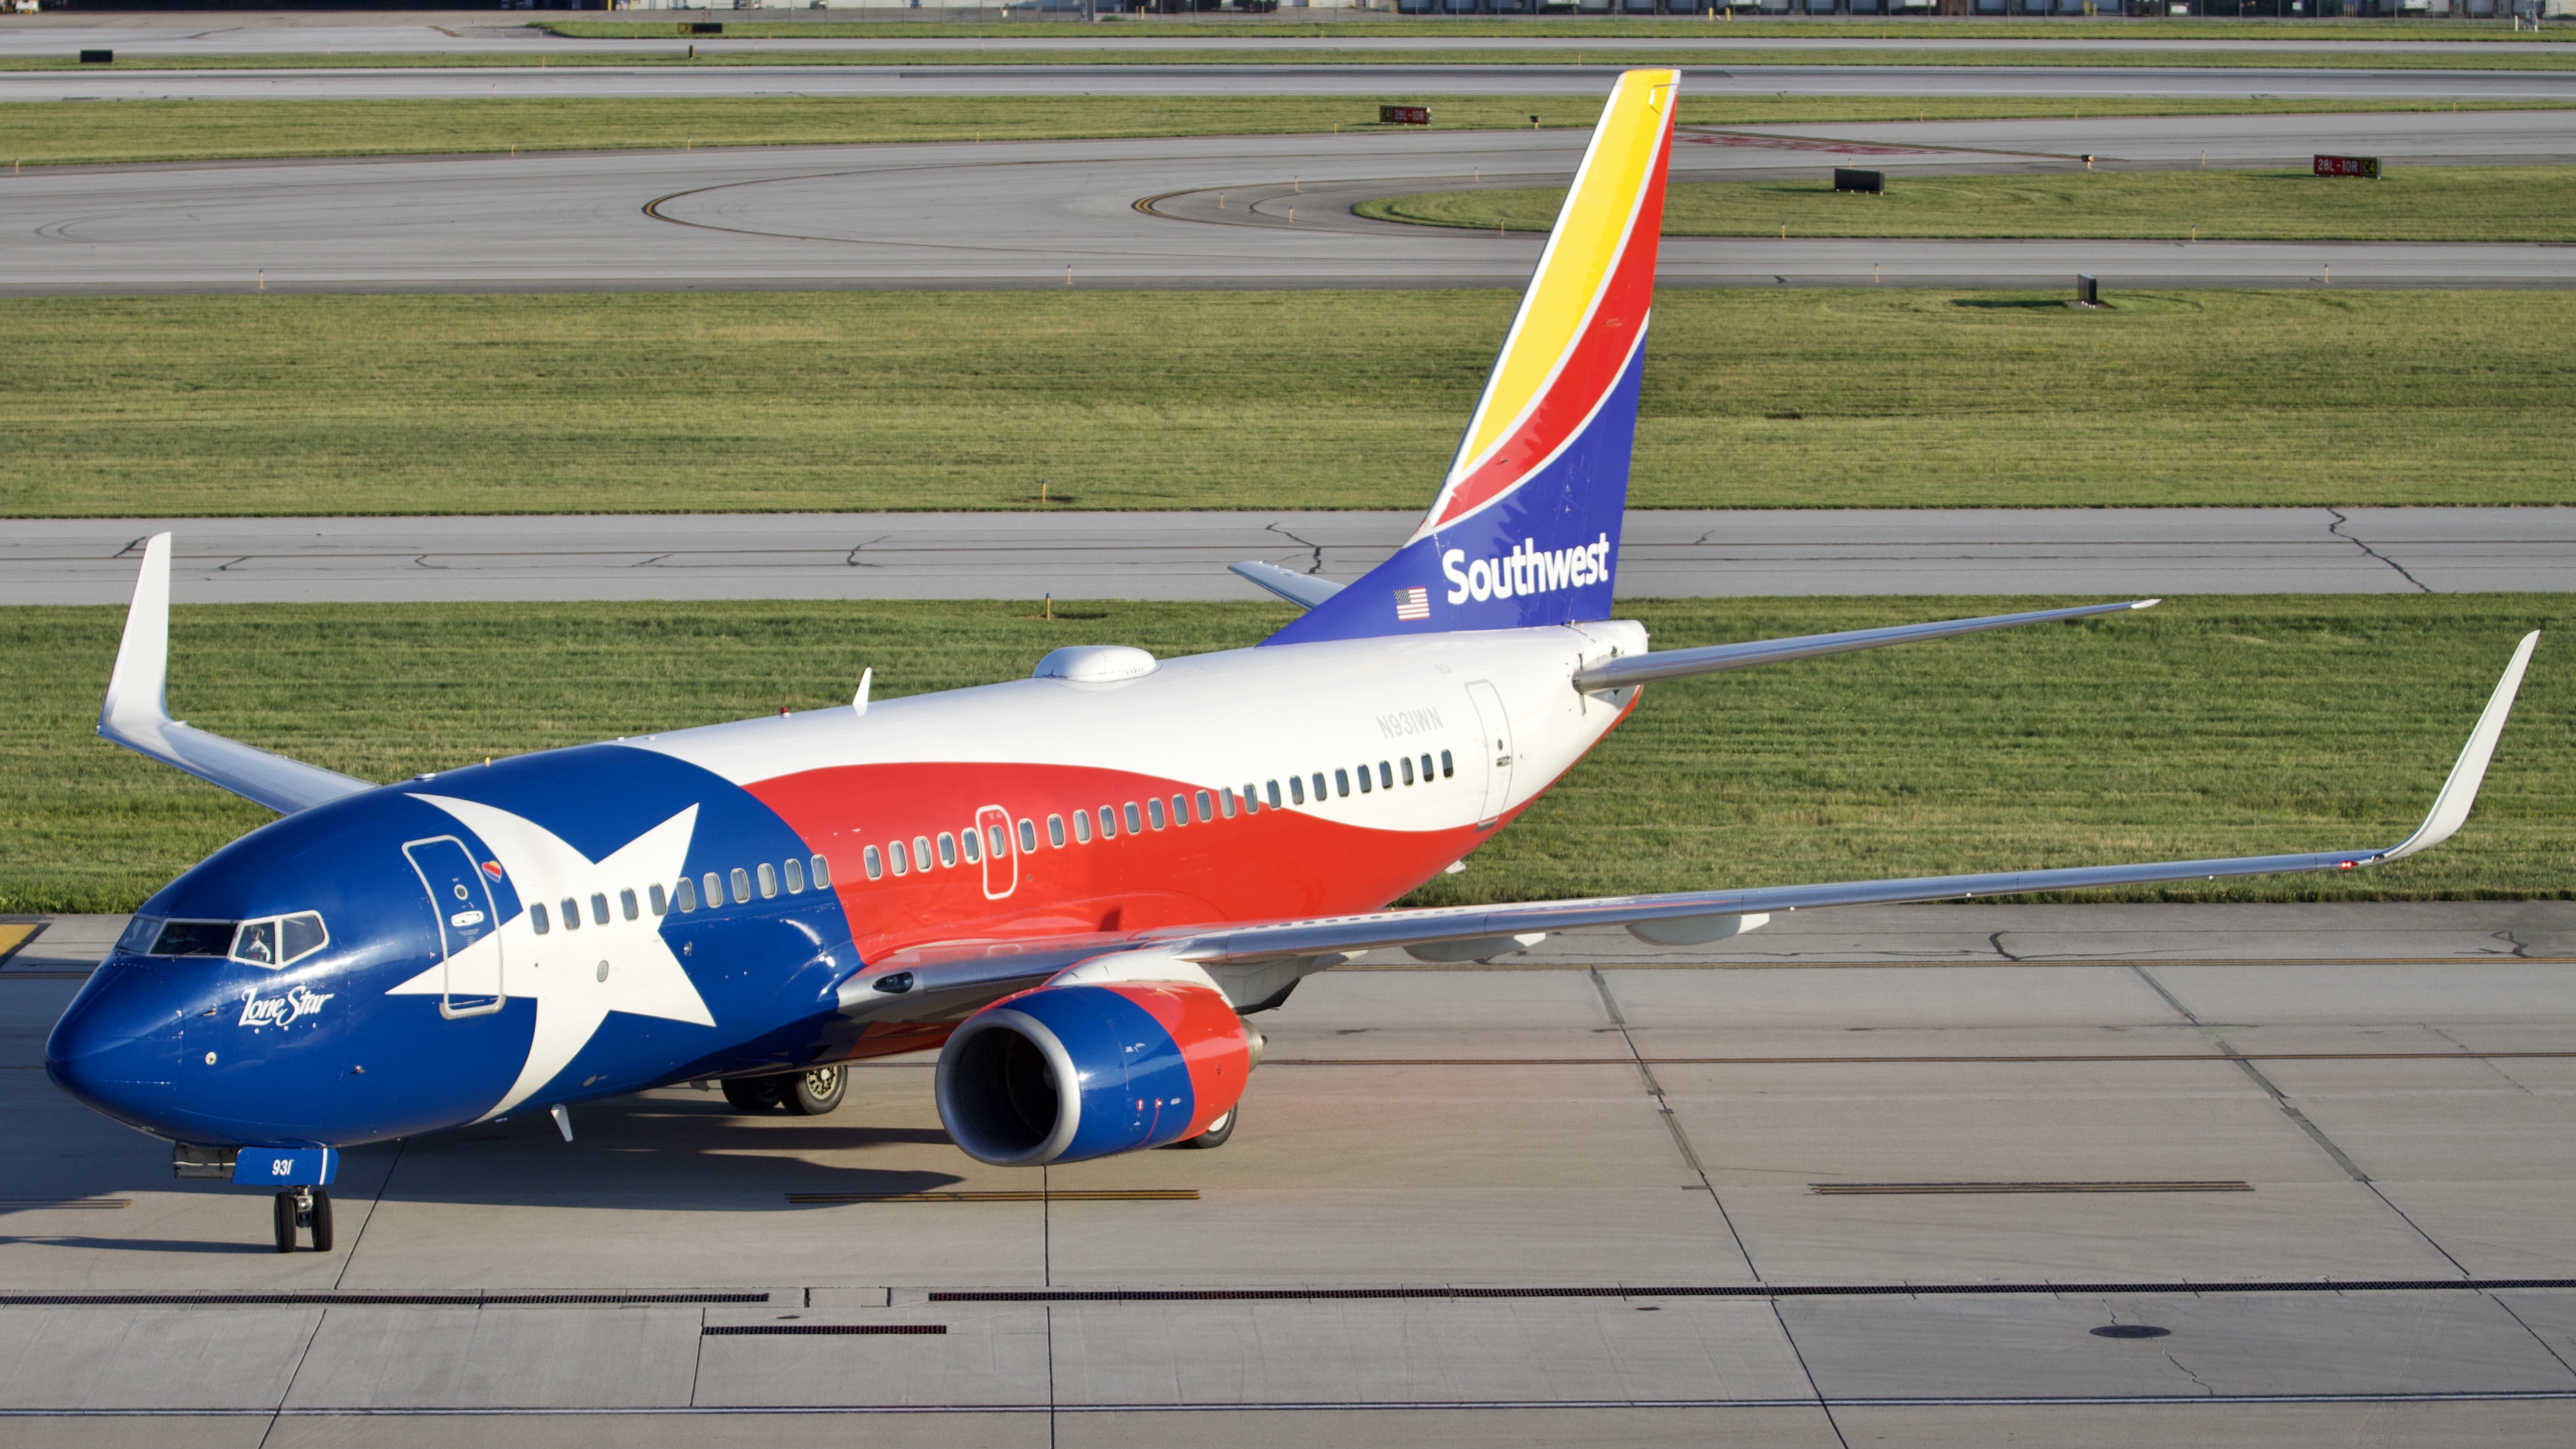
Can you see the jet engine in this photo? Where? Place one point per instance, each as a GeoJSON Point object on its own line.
{"type": "Point", "coordinates": [1068, 1072]}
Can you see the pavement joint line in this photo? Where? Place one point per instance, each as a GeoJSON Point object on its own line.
{"type": "Point", "coordinates": [2218, 1038]}
{"type": "Point", "coordinates": [1343, 1406]}
{"type": "Point", "coordinates": [1465, 1292]}
{"type": "Point", "coordinates": [1963, 1059]}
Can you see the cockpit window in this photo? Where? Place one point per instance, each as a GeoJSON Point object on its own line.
{"type": "Point", "coordinates": [194, 938]}
{"type": "Point", "coordinates": [255, 943]}
{"type": "Point", "coordinates": [138, 935]}
{"type": "Point", "coordinates": [279, 940]}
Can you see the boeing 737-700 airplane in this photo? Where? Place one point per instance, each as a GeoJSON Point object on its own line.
{"type": "Point", "coordinates": [1075, 886]}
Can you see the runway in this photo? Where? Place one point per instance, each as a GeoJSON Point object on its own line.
{"type": "Point", "coordinates": [1883, 1176]}
{"type": "Point", "coordinates": [1310, 76]}
{"type": "Point", "coordinates": [1183, 556]}
{"type": "Point", "coordinates": [1214, 212]}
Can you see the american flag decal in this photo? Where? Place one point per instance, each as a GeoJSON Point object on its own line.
{"type": "Point", "coordinates": [1412, 604]}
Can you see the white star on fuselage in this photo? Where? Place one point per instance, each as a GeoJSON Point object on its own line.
{"type": "Point", "coordinates": [561, 970]}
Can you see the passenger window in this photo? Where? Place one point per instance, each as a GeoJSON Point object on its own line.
{"type": "Point", "coordinates": [626, 904]}
{"type": "Point", "coordinates": [1082, 827]}
{"type": "Point", "coordinates": [1180, 810]}
{"type": "Point", "coordinates": [1274, 794]}
{"type": "Point", "coordinates": [1207, 808]}
{"type": "Point", "coordinates": [1055, 830]}
{"type": "Point", "coordinates": [1132, 824]}
{"type": "Point", "coordinates": [896, 850]}
{"type": "Point", "coordinates": [660, 902]}
{"type": "Point", "coordinates": [1296, 789]}
{"type": "Point", "coordinates": [974, 850]}
{"type": "Point", "coordinates": [1385, 775]}
{"type": "Point", "coordinates": [1029, 835]}
{"type": "Point", "coordinates": [741, 886]}
{"type": "Point", "coordinates": [1319, 787]}
{"type": "Point", "coordinates": [874, 862]}
{"type": "Point", "coordinates": [1341, 782]}
{"type": "Point", "coordinates": [796, 877]}
{"type": "Point", "coordinates": [599, 907]}
{"type": "Point", "coordinates": [822, 872]}
{"type": "Point", "coordinates": [1426, 769]}
{"type": "Point", "coordinates": [537, 918]}
{"type": "Point", "coordinates": [299, 936]}
{"type": "Point", "coordinates": [921, 852]}
{"type": "Point", "coordinates": [1108, 822]}
{"type": "Point", "coordinates": [1364, 779]}
{"type": "Point", "coordinates": [997, 842]}
{"type": "Point", "coordinates": [947, 848]}
{"type": "Point", "coordinates": [571, 914]}
{"type": "Point", "coordinates": [1447, 768]}
{"type": "Point", "coordinates": [687, 897]}
{"type": "Point", "coordinates": [256, 943]}
{"type": "Point", "coordinates": [714, 891]}
{"type": "Point", "coordinates": [1153, 812]}
{"type": "Point", "coordinates": [1407, 762]}
{"type": "Point", "coordinates": [1225, 801]}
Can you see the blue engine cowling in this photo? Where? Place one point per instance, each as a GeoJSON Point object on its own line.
{"type": "Point", "coordinates": [1065, 1073]}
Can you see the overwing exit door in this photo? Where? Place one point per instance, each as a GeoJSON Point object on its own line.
{"type": "Point", "coordinates": [1495, 746]}
{"type": "Point", "coordinates": [1001, 852]}
{"type": "Point", "coordinates": [468, 926]}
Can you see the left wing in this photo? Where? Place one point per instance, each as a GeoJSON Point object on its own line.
{"type": "Point", "coordinates": [1672, 918]}
{"type": "Point", "coordinates": [1256, 964]}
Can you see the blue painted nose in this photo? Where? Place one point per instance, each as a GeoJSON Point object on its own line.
{"type": "Point", "coordinates": [117, 1046]}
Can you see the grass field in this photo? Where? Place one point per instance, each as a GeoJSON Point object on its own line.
{"type": "Point", "coordinates": [2207, 726]}
{"type": "Point", "coordinates": [67, 133]}
{"type": "Point", "coordinates": [126, 407]}
{"type": "Point", "coordinates": [1360, 26]}
{"type": "Point", "coordinates": [2414, 203]}
{"type": "Point", "coordinates": [1716, 53]}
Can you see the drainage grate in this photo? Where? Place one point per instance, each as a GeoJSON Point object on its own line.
{"type": "Point", "coordinates": [1131, 1194]}
{"type": "Point", "coordinates": [1739, 1290]}
{"type": "Point", "coordinates": [32, 1204]}
{"type": "Point", "coordinates": [399, 1300]}
{"type": "Point", "coordinates": [2130, 1330]}
{"type": "Point", "coordinates": [728, 1330]}
{"type": "Point", "coordinates": [1884, 1189]}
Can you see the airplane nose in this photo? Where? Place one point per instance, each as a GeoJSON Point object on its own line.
{"type": "Point", "coordinates": [117, 1046]}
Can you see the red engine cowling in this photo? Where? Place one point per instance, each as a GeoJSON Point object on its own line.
{"type": "Point", "coordinates": [1065, 1073]}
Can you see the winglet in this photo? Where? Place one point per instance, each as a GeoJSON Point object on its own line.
{"type": "Point", "coordinates": [138, 691]}
{"type": "Point", "coordinates": [2460, 791]}
{"type": "Point", "coordinates": [136, 712]}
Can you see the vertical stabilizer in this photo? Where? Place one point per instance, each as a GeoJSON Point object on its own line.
{"type": "Point", "coordinates": [1526, 527]}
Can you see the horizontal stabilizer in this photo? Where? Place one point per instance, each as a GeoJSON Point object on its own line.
{"type": "Point", "coordinates": [1718, 658]}
{"type": "Point", "coordinates": [136, 713]}
{"type": "Point", "coordinates": [1303, 590]}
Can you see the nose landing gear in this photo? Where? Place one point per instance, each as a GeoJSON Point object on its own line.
{"type": "Point", "coordinates": [300, 1209]}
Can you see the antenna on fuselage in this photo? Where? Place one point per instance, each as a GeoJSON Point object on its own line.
{"type": "Point", "coordinates": [859, 701]}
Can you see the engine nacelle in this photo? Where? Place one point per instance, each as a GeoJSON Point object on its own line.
{"type": "Point", "coordinates": [1065, 1073]}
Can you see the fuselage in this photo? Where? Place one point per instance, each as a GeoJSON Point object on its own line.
{"type": "Point", "coordinates": [590, 921]}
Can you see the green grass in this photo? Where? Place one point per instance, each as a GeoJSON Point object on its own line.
{"type": "Point", "coordinates": [2208, 726]}
{"type": "Point", "coordinates": [88, 133]}
{"type": "Point", "coordinates": [125, 407]}
{"type": "Point", "coordinates": [1716, 53]}
{"type": "Point", "coordinates": [2414, 203]}
{"type": "Point", "coordinates": [1357, 26]}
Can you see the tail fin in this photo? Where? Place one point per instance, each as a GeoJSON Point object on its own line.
{"type": "Point", "coordinates": [1526, 528]}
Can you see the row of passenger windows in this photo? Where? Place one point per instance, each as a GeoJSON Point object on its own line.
{"type": "Point", "coordinates": [971, 846]}
{"type": "Point", "coordinates": [686, 894]}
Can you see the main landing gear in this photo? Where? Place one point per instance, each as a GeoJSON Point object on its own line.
{"type": "Point", "coordinates": [301, 1208]}
{"type": "Point", "coordinates": [804, 1094]}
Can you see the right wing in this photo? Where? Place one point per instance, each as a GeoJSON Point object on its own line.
{"type": "Point", "coordinates": [136, 713]}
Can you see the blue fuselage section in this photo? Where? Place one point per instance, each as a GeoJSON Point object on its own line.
{"type": "Point", "coordinates": [364, 1038]}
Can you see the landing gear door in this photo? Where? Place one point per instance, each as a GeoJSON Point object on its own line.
{"type": "Point", "coordinates": [1496, 747]}
{"type": "Point", "coordinates": [468, 927]}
